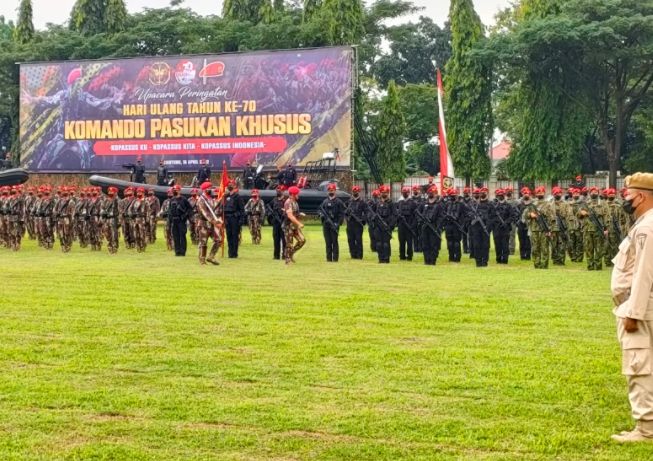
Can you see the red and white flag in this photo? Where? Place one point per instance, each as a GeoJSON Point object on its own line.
{"type": "Point", "coordinates": [446, 165]}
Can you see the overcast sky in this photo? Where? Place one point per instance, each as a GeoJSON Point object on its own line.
{"type": "Point", "coordinates": [58, 11]}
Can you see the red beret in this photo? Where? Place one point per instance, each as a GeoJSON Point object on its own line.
{"type": "Point", "coordinates": [594, 189]}
{"type": "Point", "coordinates": [206, 185]}
{"type": "Point", "coordinates": [140, 190]}
{"type": "Point", "coordinates": [376, 193]}
{"type": "Point", "coordinates": [416, 187]}
{"type": "Point", "coordinates": [484, 190]}
{"type": "Point", "coordinates": [499, 192]}
{"type": "Point", "coordinates": [331, 186]}
{"type": "Point", "coordinates": [466, 190]}
{"type": "Point", "coordinates": [556, 191]}
{"type": "Point", "coordinates": [255, 192]}
{"type": "Point", "coordinates": [178, 187]}
{"type": "Point", "coordinates": [356, 189]}
{"type": "Point", "coordinates": [433, 189]}
{"type": "Point", "coordinates": [293, 190]}
{"type": "Point", "coordinates": [540, 190]}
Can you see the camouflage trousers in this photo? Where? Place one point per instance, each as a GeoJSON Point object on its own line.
{"type": "Point", "coordinates": [95, 233]}
{"type": "Point", "coordinates": [594, 245]}
{"type": "Point", "coordinates": [16, 231]}
{"type": "Point", "coordinates": [151, 229]}
{"type": "Point", "coordinates": [295, 240]}
{"type": "Point", "coordinates": [575, 247]}
{"type": "Point", "coordinates": [46, 231]}
{"type": "Point", "coordinates": [138, 233]}
{"type": "Point", "coordinates": [65, 233]}
{"type": "Point", "coordinates": [612, 242]}
{"type": "Point", "coordinates": [205, 231]}
{"type": "Point", "coordinates": [540, 250]}
{"type": "Point", "coordinates": [111, 233]}
{"type": "Point", "coordinates": [558, 248]}
{"type": "Point", "coordinates": [254, 223]}
{"type": "Point", "coordinates": [167, 232]}
{"type": "Point", "coordinates": [30, 227]}
{"type": "Point", "coordinates": [81, 231]}
{"type": "Point", "coordinates": [193, 226]}
{"type": "Point", "coordinates": [4, 231]}
{"type": "Point", "coordinates": [127, 233]}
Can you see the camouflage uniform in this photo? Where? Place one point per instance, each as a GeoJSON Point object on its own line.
{"type": "Point", "coordinates": [110, 215]}
{"type": "Point", "coordinates": [95, 223]}
{"type": "Point", "coordinates": [593, 236]}
{"type": "Point", "coordinates": [155, 207]}
{"type": "Point", "coordinates": [4, 218]}
{"type": "Point", "coordinates": [164, 214]}
{"type": "Point", "coordinates": [125, 220]}
{"type": "Point", "coordinates": [576, 251]}
{"type": "Point", "coordinates": [538, 235]}
{"type": "Point", "coordinates": [63, 214]}
{"type": "Point", "coordinates": [138, 212]}
{"type": "Point", "coordinates": [28, 218]}
{"type": "Point", "coordinates": [255, 210]}
{"type": "Point", "coordinates": [513, 202]}
{"type": "Point", "coordinates": [560, 232]}
{"type": "Point", "coordinates": [209, 221]}
{"type": "Point", "coordinates": [293, 235]}
{"type": "Point", "coordinates": [193, 220]}
{"type": "Point", "coordinates": [616, 230]}
{"type": "Point", "coordinates": [81, 217]}
{"type": "Point", "coordinates": [16, 215]}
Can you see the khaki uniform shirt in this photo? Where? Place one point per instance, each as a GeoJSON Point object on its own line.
{"type": "Point", "coordinates": [632, 275]}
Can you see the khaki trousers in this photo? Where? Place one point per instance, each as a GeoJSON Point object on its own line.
{"type": "Point", "coordinates": [636, 364]}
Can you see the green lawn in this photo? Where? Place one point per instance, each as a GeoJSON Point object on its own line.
{"type": "Point", "coordinates": [148, 356]}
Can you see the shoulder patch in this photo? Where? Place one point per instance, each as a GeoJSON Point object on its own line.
{"type": "Point", "coordinates": [641, 241]}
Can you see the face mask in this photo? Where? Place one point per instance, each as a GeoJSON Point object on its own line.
{"type": "Point", "coordinates": [577, 199]}
{"type": "Point", "coordinates": [431, 196]}
{"type": "Point", "coordinates": [527, 197]}
{"type": "Point", "coordinates": [356, 194]}
{"type": "Point", "coordinates": [501, 199]}
{"type": "Point", "coordinates": [540, 197]}
{"type": "Point", "coordinates": [483, 196]}
{"type": "Point", "coordinates": [230, 188]}
{"type": "Point", "coordinates": [404, 195]}
{"type": "Point", "coordinates": [610, 199]}
{"type": "Point", "coordinates": [558, 198]}
{"type": "Point", "coordinates": [594, 197]}
{"type": "Point", "coordinates": [332, 194]}
{"type": "Point", "coordinates": [628, 206]}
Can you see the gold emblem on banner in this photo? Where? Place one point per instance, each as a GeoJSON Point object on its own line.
{"type": "Point", "coordinates": [159, 73]}
{"type": "Point", "coordinates": [448, 182]}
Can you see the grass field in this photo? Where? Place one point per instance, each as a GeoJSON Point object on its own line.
{"type": "Point", "coordinates": [148, 356]}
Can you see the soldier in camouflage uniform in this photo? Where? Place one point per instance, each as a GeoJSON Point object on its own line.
{"type": "Point", "coordinates": [209, 224]}
{"type": "Point", "coordinates": [560, 228]}
{"type": "Point", "coordinates": [193, 218]}
{"type": "Point", "coordinates": [255, 211]}
{"type": "Point", "coordinates": [81, 217]}
{"type": "Point", "coordinates": [95, 232]}
{"type": "Point", "coordinates": [110, 219]}
{"type": "Point", "coordinates": [539, 230]}
{"type": "Point", "coordinates": [125, 218]}
{"type": "Point", "coordinates": [4, 217]}
{"type": "Point", "coordinates": [16, 216]}
{"type": "Point", "coordinates": [63, 214]}
{"type": "Point", "coordinates": [575, 248]}
{"type": "Point", "coordinates": [593, 216]}
{"type": "Point", "coordinates": [138, 212]}
{"type": "Point", "coordinates": [615, 227]}
{"type": "Point", "coordinates": [514, 203]}
{"type": "Point", "coordinates": [153, 217]}
{"type": "Point", "coordinates": [292, 227]}
{"type": "Point", "coordinates": [164, 214]}
{"type": "Point", "coordinates": [30, 198]}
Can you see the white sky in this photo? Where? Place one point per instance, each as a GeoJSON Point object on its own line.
{"type": "Point", "coordinates": [58, 11]}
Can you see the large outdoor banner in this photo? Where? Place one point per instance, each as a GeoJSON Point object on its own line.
{"type": "Point", "coordinates": [271, 108]}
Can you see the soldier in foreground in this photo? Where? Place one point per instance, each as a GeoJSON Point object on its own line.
{"type": "Point", "coordinates": [110, 223]}
{"type": "Point", "coordinates": [332, 214]}
{"type": "Point", "coordinates": [384, 217]}
{"type": "Point", "coordinates": [356, 213]}
{"type": "Point", "coordinates": [632, 291]}
{"type": "Point", "coordinates": [593, 215]}
{"type": "Point", "coordinates": [255, 211]}
{"type": "Point", "coordinates": [209, 225]}
{"type": "Point", "coordinates": [294, 237]}
{"type": "Point", "coordinates": [539, 216]}
{"type": "Point", "coordinates": [276, 216]}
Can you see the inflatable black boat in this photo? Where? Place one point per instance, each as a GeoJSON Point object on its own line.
{"type": "Point", "coordinates": [309, 199]}
{"type": "Point", "coordinates": [13, 177]}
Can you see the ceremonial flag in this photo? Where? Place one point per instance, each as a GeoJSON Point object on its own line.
{"type": "Point", "coordinates": [446, 165]}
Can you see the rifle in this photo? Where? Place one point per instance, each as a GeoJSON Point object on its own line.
{"type": "Point", "coordinates": [426, 222]}
{"type": "Point", "coordinates": [270, 212]}
{"type": "Point", "coordinates": [324, 215]}
{"type": "Point", "coordinates": [476, 218]}
{"type": "Point", "coordinates": [408, 226]}
{"type": "Point", "coordinates": [564, 230]}
{"type": "Point", "coordinates": [349, 214]}
{"type": "Point", "coordinates": [454, 220]}
{"type": "Point", "coordinates": [616, 227]}
{"type": "Point", "coordinates": [382, 224]}
{"type": "Point", "coordinates": [541, 222]}
{"type": "Point", "coordinates": [594, 219]}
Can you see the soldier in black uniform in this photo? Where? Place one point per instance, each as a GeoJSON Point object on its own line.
{"type": "Point", "coordinates": [249, 173]}
{"type": "Point", "coordinates": [506, 215]}
{"type": "Point", "coordinates": [430, 226]}
{"type": "Point", "coordinates": [522, 227]}
{"type": "Point", "coordinates": [385, 220]}
{"type": "Point", "coordinates": [332, 214]}
{"type": "Point", "coordinates": [356, 213]}
{"type": "Point", "coordinates": [371, 207]}
{"type": "Point", "coordinates": [178, 212]}
{"type": "Point", "coordinates": [234, 210]}
{"type": "Point", "coordinates": [139, 172]}
{"type": "Point", "coordinates": [406, 224]}
{"type": "Point", "coordinates": [204, 173]}
{"type": "Point", "coordinates": [275, 214]}
{"type": "Point", "coordinates": [465, 220]}
{"type": "Point", "coordinates": [162, 174]}
{"type": "Point", "coordinates": [418, 198]}
{"type": "Point", "coordinates": [453, 213]}
{"type": "Point", "coordinates": [482, 218]}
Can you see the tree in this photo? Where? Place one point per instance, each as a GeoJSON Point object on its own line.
{"type": "Point", "coordinates": [89, 16]}
{"type": "Point", "coordinates": [390, 132]}
{"type": "Point", "coordinates": [469, 91]}
{"type": "Point", "coordinates": [345, 20]}
{"type": "Point", "coordinates": [413, 48]}
{"type": "Point", "coordinates": [310, 8]}
{"type": "Point", "coordinates": [24, 31]}
{"type": "Point", "coordinates": [116, 16]}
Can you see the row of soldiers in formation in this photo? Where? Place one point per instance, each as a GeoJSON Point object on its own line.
{"type": "Point", "coordinates": [580, 223]}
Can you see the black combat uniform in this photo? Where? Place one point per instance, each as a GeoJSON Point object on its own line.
{"type": "Point", "coordinates": [385, 220]}
{"type": "Point", "coordinates": [522, 232]}
{"type": "Point", "coordinates": [332, 214]}
{"type": "Point", "coordinates": [276, 214]}
{"type": "Point", "coordinates": [162, 175]}
{"type": "Point", "coordinates": [454, 217]}
{"type": "Point", "coordinates": [506, 216]}
{"type": "Point", "coordinates": [178, 213]}
{"type": "Point", "coordinates": [234, 210]}
{"type": "Point", "coordinates": [139, 173]}
{"type": "Point", "coordinates": [356, 214]}
{"type": "Point", "coordinates": [430, 229]}
{"type": "Point", "coordinates": [406, 227]}
{"type": "Point", "coordinates": [204, 174]}
{"type": "Point", "coordinates": [482, 217]}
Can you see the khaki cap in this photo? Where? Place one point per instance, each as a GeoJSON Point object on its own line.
{"type": "Point", "coordinates": [639, 181]}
